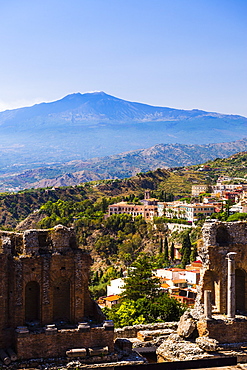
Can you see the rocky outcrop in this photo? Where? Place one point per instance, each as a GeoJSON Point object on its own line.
{"type": "Point", "coordinates": [175, 348]}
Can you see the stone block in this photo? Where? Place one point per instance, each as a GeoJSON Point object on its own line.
{"type": "Point", "coordinates": [22, 330]}
{"type": "Point", "coordinates": [144, 336]}
{"type": "Point", "coordinates": [123, 344]}
{"type": "Point", "coordinates": [51, 329]}
{"type": "Point", "coordinates": [207, 344]}
{"type": "Point", "coordinates": [77, 352]}
{"type": "Point", "coordinates": [98, 351]}
{"type": "Point", "coordinates": [186, 326]}
{"type": "Point", "coordinates": [108, 325]}
{"type": "Point", "coordinates": [83, 327]}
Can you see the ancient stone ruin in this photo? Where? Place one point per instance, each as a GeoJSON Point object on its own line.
{"type": "Point", "coordinates": [46, 309]}
{"type": "Point", "coordinates": [217, 326]}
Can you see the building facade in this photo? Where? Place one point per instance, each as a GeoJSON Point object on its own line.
{"type": "Point", "coordinates": [148, 212]}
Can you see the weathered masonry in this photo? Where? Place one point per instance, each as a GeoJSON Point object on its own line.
{"type": "Point", "coordinates": [217, 326]}
{"type": "Point", "coordinates": [45, 304]}
{"type": "Point", "coordinates": [223, 252]}
{"type": "Point", "coordinates": [220, 239]}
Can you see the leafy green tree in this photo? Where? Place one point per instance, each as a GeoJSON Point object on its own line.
{"type": "Point", "coordinates": [161, 308]}
{"type": "Point", "coordinates": [106, 245]}
{"type": "Point", "coordinates": [237, 217]}
{"type": "Point", "coordinates": [145, 310]}
{"type": "Point", "coordinates": [140, 282]}
{"type": "Point", "coordinates": [124, 314]}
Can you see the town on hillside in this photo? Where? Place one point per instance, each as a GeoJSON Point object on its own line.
{"type": "Point", "coordinates": [181, 283]}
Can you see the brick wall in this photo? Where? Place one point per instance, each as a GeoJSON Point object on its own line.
{"type": "Point", "coordinates": [225, 331]}
{"type": "Point", "coordinates": [44, 279]}
{"type": "Point", "coordinates": [220, 238]}
{"type": "Point", "coordinates": [56, 344]}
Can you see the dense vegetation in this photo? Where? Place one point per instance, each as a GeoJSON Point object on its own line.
{"type": "Point", "coordinates": [165, 184]}
{"type": "Point", "coordinates": [115, 243]}
{"type": "Point", "coordinates": [142, 301]}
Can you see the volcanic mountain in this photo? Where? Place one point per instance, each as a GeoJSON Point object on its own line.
{"type": "Point", "coordinates": [83, 126]}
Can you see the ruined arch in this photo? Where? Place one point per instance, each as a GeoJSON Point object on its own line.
{"type": "Point", "coordinates": [240, 276]}
{"type": "Point", "coordinates": [32, 301]}
{"type": "Point", "coordinates": [61, 300]}
{"type": "Point", "coordinates": [211, 282]}
{"type": "Point", "coordinates": [222, 235]}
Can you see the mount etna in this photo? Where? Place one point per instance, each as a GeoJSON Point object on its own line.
{"type": "Point", "coordinates": [80, 127]}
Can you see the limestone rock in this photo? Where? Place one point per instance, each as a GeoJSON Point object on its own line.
{"type": "Point", "coordinates": [171, 350]}
{"type": "Point", "coordinates": [207, 344]}
{"type": "Point", "coordinates": [186, 326]}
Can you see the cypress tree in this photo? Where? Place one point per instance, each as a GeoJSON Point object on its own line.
{"type": "Point", "coordinates": [166, 256]}
{"type": "Point", "coordinates": [96, 277]}
{"type": "Point", "coordinates": [161, 246]}
{"type": "Point", "coordinates": [193, 254]}
{"type": "Point", "coordinates": [172, 252]}
{"type": "Point", "coordinates": [186, 249]}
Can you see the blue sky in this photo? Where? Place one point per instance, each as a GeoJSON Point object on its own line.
{"type": "Point", "coordinates": [177, 53]}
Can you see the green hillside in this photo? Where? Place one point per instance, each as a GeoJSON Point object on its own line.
{"type": "Point", "coordinates": [163, 183]}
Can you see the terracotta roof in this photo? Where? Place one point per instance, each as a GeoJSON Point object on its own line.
{"type": "Point", "coordinates": [165, 286]}
{"type": "Point", "coordinates": [179, 281]}
{"type": "Point", "coordinates": [111, 298]}
{"type": "Point", "coordinates": [176, 269]}
{"type": "Point", "coordinates": [196, 271]}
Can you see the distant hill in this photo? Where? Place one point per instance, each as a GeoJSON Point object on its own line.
{"type": "Point", "coordinates": [177, 181]}
{"type": "Point", "coordinates": [120, 166]}
{"type": "Point", "coordinates": [84, 126]}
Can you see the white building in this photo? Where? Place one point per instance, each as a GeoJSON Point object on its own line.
{"type": "Point", "coordinates": [170, 273]}
{"type": "Point", "coordinates": [192, 277]}
{"type": "Point", "coordinates": [116, 287]}
{"type": "Point", "coordinates": [189, 212]}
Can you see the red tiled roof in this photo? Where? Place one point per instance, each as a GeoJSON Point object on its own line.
{"type": "Point", "coordinates": [111, 298]}
{"type": "Point", "coordinates": [165, 286]}
{"type": "Point", "coordinates": [179, 281]}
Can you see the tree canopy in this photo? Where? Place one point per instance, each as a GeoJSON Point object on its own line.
{"type": "Point", "coordinates": [143, 301]}
{"type": "Point", "coordinates": [140, 282]}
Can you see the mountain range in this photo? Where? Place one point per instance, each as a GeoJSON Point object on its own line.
{"type": "Point", "coordinates": [119, 166]}
{"type": "Point", "coordinates": [79, 137]}
{"type": "Point", "coordinates": [84, 126]}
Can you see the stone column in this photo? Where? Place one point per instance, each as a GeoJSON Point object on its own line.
{"type": "Point", "coordinates": [207, 304]}
{"type": "Point", "coordinates": [231, 304]}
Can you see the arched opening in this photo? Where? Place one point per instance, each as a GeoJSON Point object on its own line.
{"type": "Point", "coordinates": [32, 301]}
{"type": "Point", "coordinates": [240, 289]}
{"type": "Point", "coordinates": [222, 236]}
{"type": "Point", "coordinates": [209, 284]}
{"type": "Point", "coordinates": [61, 300]}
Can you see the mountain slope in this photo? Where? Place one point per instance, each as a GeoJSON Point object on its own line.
{"type": "Point", "coordinates": [16, 207]}
{"type": "Point", "coordinates": [84, 126]}
{"type": "Point", "coordinates": [101, 107]}
{"type": "Point", "coordinates": [121, 165]}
